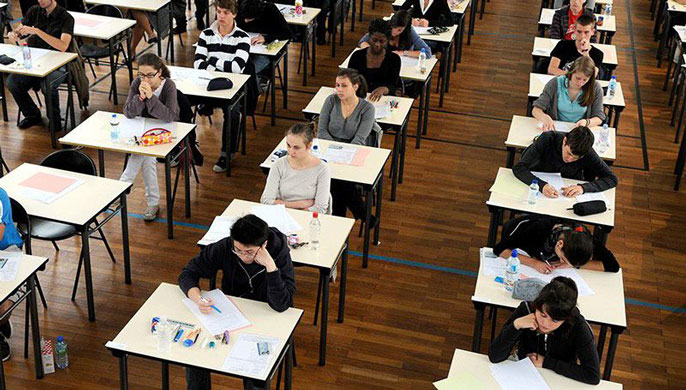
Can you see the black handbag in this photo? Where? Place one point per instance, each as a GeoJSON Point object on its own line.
{"type": "Point", "coordinates": [589, 208]}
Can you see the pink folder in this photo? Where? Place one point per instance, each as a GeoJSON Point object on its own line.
{"type": "Point", "coordinates": [360, 156]}
{"type": "Point", "coordinates": [48, 183]}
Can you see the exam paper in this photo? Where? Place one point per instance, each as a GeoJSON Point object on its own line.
{"type": "Point", "coordinates": [52, 191]}
{"type": "Point", "coordinates": [592, 196]}
{"type": "Point", "coordinates": [554, 179]}
{"type": "Point", "coordinates": [277, 216]}
{"type": "Point", "coordinates": [518, 375]}
{"type": "Point", "coordinates": [244, 358]}
{"type": "Point", "coordinates": [562, 127]}
{"type": "Point", "coordinates": [220, 228]}
{"type": "Point", "coordinates": [382, 109]}
{"type": "Point", "coordinates": [422, 30]}
{"type": "Point", "coordinates": [543, 78]}
{"type": "Point", "coordinates": [230, 318]}
{"type": "Point", "coordinates": [408, 61]}
{"type": "Point", "coordinates": [491, 264]}
{"type": "Point", "coordinates": [581, 285]}
{"type": "Point", "coordinates": [9, 265]}
{"type": "Point", "coordinates": [340, 154]}
{"type": "Point", "coordinates": [463, 380]}
{"type": "Point", "coordinates": [196, 76]}
{"type": "Point", "coordinates": [136, 127]}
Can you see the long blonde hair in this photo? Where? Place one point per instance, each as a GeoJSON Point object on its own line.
{"type": "Point", "coordinates": [585, 66]}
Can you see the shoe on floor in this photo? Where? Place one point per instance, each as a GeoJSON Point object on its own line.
{"type": "Point", "coordinates": [152, 40]}
{"type": "Point", "coordinates": [151, 213]}
{"type": "Point", "coordinates": [205, 110]}
{"type": "Point", "coordinates": [220, 165]}
{"type": "Point", "coordinates": [200, 22]}
{"type": "Point", "coordinates": [30, 121]}
{"type": "Point", "coordinates": [4, 349]}
{"type": "Point", "coordinates": [6, 329]}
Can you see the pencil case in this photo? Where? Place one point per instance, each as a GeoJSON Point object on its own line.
{"type": "Point", "coordinates": [156, 137]}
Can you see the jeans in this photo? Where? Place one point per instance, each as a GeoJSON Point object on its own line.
{"type": "Point", "coordinates": [345, 196]}
{"type": "Point", "coordinates": [199, 379]}
{"type": "Point", "coordinates": [260, 62]}
{"type": "Point", "coordinates": [149, 165]}
{"type": "Point", "coordinates": [20, 85]}
{"type": "Point", "coordinates": [233, 116]}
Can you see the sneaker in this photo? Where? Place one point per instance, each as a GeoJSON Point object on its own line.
{"type": "Point", "coordinates": [220, 165]}
{"type": "Point", "coordinates": [30, 121]}
{"type": "Point", "coordinates": [6, 329]}
{"type": "Point", "coordinates": [151, 213]}
{"type": "Point", "coordinates": [4, 349]}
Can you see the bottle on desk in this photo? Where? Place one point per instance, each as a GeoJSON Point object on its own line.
{"type": "Point", "coordinates": [61, 357]}
{"type": "Point", "coordinates": [612, 87]}
{"type": "Point", "coordinates": [316, 150]}
{"type": "Point", "coordinates": [114, 129]}
{"type": "Point", "coordinates": [421, 62]}
{"type": "Point", "coordinates": [315, 229]}
{"type": "Point", "coordinates": [512, 271]}
{"type": "Point", "coordinates": [608, 9]}
{"type": "Point", "coordinates": [604, 141]}
{"type": "Point", "coordinates": [533, 192]}
{"type": "Point", "coordinates": [26, 51]}
{"type": "Point", "coordinates": [299, 8]}
{"type": "Point", "coordinates": [164, 336]}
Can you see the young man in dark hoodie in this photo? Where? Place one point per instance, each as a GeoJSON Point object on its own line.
{"type": "Point", "coordinates": [265, 19]}
{"type": "Point", "coordinates": [552, 333]}
{"type": "Point", "coordinates": [255, 263]}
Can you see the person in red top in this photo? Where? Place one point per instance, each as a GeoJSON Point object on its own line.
{"type": "Point", "coordinates": [565, 18]}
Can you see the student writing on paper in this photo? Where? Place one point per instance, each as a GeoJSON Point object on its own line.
{"type": "Point", "coordinates": [255, 263]}
{"type": "Point", "coordinates": [259, 16]}
{"type": "Point", "coordinates": [404, 40]}
{"type": "Point", "coordinates": [566, 52]}
{"type": "Point", "coordinates": [572, 155]}
{"type": "Point", "coordinates": [552, 333]}
{"type": "Point", "coordinates": [573, 97]}
{"type": "Point", "coordinates": [300, 180]}
{"type": "Point", "coordinates": [429, 12]}
{"type": "Point", "coordinates": [379, 66]}
{"type": "Point", "coordinates": [551, 243]}
{"type": "Point", "coordinates": [152, 94]}
{"type": "Point", "coordinates": [564, 20]}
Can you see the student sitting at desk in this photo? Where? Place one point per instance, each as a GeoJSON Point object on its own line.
{"type": "Point", "coordinates": [552, 333]}
{"type": "Point", "coordinates": [404, 40]}
{"type": "Point", "coordinates": [153, 95]}
{"type": "Point", "coordinates": [379, 66]}
{"type": "Point", "coordinates": [564, 20]}
{"type": "Point", "coordinates": [223, 47]}
{"type": "Point", "coordinates": [258, 16]}
{"type": "Point", "coordinates": [571, 155]}
{"type": "Point", "coordinates": [45, 26]}
{"type": "Point", "coordinates": [300, 180]}
{"type": "Point", "coordinates": [9, 241]}
{"type": "Point", "coordinates": [565, 52]}
{"type": "Point", "coordinates": [255, 263]}
{"type": "Point", "coordinates": [574, 97]}
{"type": "Point", "coordinates": [347, 117]}
{"type": "Point", "coordinates": [550, 244]}
{"type": "Point", "coordinates": [429, 12]}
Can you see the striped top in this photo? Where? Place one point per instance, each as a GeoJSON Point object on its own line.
{"type": "Point", "coordinates": [225, 54]}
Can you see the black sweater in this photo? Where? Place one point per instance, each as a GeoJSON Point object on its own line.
{"type": "Point", "coordinates": [561, 348]}
{"type": "Point", "coordinates": [245, 280]}
{"type": "Point", "coordinates": [271, 24]}
{"type": "Point", "coordinates": [387, 75]}
{"type": "Point", "coordinates": [438, 13]}
{"type": "Point", "coordinates": [545, 155]}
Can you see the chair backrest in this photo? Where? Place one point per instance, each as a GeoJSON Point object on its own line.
{"type": "Point", "coordinates": [72, 160]}
{"type": "Point", "coordinates": [23, 222]}
{"type": "Point", "coordinates": [72, 5]}
{"type": "Point", "coordinates": [185, 110]}
{"type": "Point", "coordinates": [105, 10]}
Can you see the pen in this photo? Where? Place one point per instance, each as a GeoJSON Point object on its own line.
{"type": "Point", "coordinates": [204, 78]}
{"type": "Point", "coordinates": [196, 337]}
{"type": "Point", "coordinates": [178, 335]}
{"type": "Point", "coordinates": [213, 306]}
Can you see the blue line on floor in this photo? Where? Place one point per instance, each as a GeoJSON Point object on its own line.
{"type": "Point", "coordinates": [432, 267]}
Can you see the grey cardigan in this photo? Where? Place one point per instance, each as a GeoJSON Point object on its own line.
{"type": "Point", "coordinates": [354, 129]}
{"type": "Point", "coordinates": [548, 101]}
{"type": "Point", "coordinates": [164, 108]}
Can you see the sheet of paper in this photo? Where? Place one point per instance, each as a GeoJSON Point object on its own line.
{"type": "Point", "coordinates": [543, 78]}
{"type": "Point", "coordinates": [150, 123]}
{"type": "Point", "coordinates": [340, 154]}
{"type": "Point", "coordinates": [244, 358]}
{"type": "Point", "coordinates": [541, 51]}
{"type": "Point", "coordinates": [554, 179]}
{"type": "Point", "coordinates": [199, 77]}
{"type": "Point", "coordinates": [582, 286]}
{"type": "Point", "coordinates": [562, 127]}
{"type": "Point", "coordinates": [491, 264]}
{"type": "Point", "coordinates": [462, 380]}
{"type": "Point", "coordinates": [220, 228]}
{"type": "Point", "coordinates": [130, 127]}
{"type": "Point", "coordinates": [87, 22]}
{"type": "Point", "coordinates": [230, 318]}
{"type": "Point", "coordinates": [9, 265]}
{"type": "Point", "coordinates": [509, 185]}
{"type": "Point", "coordinates": [408, 61]}
{"type": "Point", "coordinates": [277, 216]}
{"type": "Point", "coordinates": [422, 30]}
{"type": "Point", "coordinates": [360, 157]}
{"type": "Point", "coordinates": [382, 109]}
{"type": "Point", "coordinates": [591, 196]}
{"type": "Point", "coordinates": [46, 196]}
{"type": "Point", "coordinates": [518, 375]}
{"type": "Point", "coordinates": [48, 182]}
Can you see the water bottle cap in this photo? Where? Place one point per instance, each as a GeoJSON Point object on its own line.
{"type": "Point", "coordinates": [60, 339]}
{"type": "Point", "coordinates": [514, 253]}
{"type": "Point", "coordinates": [614, 77]}
{"type": "Point", "coordinates": [25, 44]}
{"type": "Point", "coordinates": [315, 147]}
{"type": "Point", "coordinates": [114, 115]}
{"type": "Point", "coordinates": [534, 181]}
{"type": "Point", "coordinates": [423, 50]}
{"type": "Point", "coordinates": [605, 126]}
{"type": "Point", "coordinates": [315, 215]}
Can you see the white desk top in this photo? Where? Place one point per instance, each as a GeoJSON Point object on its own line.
{"type": "Point", "coordinates": [397, 117]}
{"type": "Point", "coordinates": [444, 37]}
{"type": "Point", "coordinates": [606, 306]}
{"type": "Point", "coordinates": [457, 8]}
{"type": "Point", "coordinates": [603, 2]}
{"type": "Point", "coordinates": [308, 16]}
{"type": "Point", "coordinates": [41, 66]}
{"type": "Point", "coordinates": [673, 6]}
{"type": "Point", "coordinates": [27, 266]}
{"type": "Point", "coordinates": [94, 133]}
{"type": "Point", "coordinates": [366, 174]}
{"type": "Point", "coordinates": [506, 180]}
{"type": "Point", "coordinates": [478, 365]}
{"type": "Point", "coordinates": [543, 47]}
{"type": "Point", "coordinates": [99, 27]}
{"type": "Point", "coordinates": [261, 49]}
{"type": "Point", "coordinates": [135, 338]}
{"type": "Point", "coordinates": [140, 5]}
{"type": "Point", "coordinates": [334, 233]}
{"type": "Point", "coordinates": [609, 23]}
{"type": "Point", "coordinates": [77, 207]}
{"type": "Point", "coordinates": [406, 72]}
{"type": "Point", "coordinates": [524, 129]}
{"type": "Point", "coordinates": [537, 82]}
{"type": "Point", "coordinates": [189, 87]}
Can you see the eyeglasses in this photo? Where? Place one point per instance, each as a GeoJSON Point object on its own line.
{"type": "Point", "coordinates": [148, 76]}
{"type": "Point", "coordinates": [250, 253]}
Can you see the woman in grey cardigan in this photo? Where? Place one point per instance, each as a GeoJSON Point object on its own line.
{"type": "Point", "coordinates": [153, 95]}
{"type": "Point", "coordinates": [575, 97]}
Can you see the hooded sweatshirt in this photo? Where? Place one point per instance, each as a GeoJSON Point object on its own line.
{"type": "Point", "coordinates": [251, 281]}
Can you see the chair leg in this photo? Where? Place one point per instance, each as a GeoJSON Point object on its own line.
{"type": "Point", "coordinates": [54, 244]}
{"type": "Point", "coordinates": [78, 273]}
{"type": "Point", "coordinates": [40, 292]}
{"type": "Point", "coordinates": [254, 124]}
{"type": "Point", "coordinates": [107, 244]}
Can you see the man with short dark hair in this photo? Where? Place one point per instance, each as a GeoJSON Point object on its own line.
{"type": "Point", "coordinates": [564, 20]}
{"type": "Point", "coordinates": [45, 26]}
{"type": "Point", "coordinates": [571, 155]}
{"type": "Point", "coordinates": [255, 263]}
{"type": "Point", "coordinates": [565, 52]}
{"type": "Point", "coordinates": [264, 19]}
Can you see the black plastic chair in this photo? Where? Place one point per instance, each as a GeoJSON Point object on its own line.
{"type": "Point", "coordinates": [3, 165]}
{"type": "Point", "coordinates": [72, 160]}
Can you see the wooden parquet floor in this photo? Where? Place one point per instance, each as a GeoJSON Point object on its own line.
{"type": "Point", "coordinates": [411, 308]}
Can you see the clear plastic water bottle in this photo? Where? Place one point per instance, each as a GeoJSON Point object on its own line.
{"type": "Point", "coordinates": [604, 141]}
{"type": "Point", "coordinates": [612, 87]}
{"type": "Point", "coordinates": [298, 8]}
{"type": "Point", "coordinates": [164, 336]}
{"type": "Point", "coordinates": [533, 192]}
{"type": "Point", "coordinates": [315, 229]}
{"type": "Point", "coordinates": [114, 129]}
{"type": "Point", "coordinates": [26, 51]}
{"type": "Point", "coordinates": [608, 9]}
{"type": "Point", "coordinates": [61, 357]}
{"type": "Point", "coordinates": [512, 271]}
{"type": "Point", "coordinates": [421, 61]}
{"type": "Point", "coordinates": [316, 151]}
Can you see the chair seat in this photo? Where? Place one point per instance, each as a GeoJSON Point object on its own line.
{"type": "Point", "coordinates": [51, 231]}
{"type": "Point", "coordinates": [92, 51]}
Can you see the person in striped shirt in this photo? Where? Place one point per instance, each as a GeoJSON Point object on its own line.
{"type": "Point", "coordinates": [222, 47]}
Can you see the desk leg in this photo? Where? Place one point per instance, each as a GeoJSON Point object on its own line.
{"type": "Point", "coordinates": [159, 37]}
{"type": "Point", "coordinates": [101, 162]}
{"type": "Point", "coordinates": [420, 114]}
{"type": "Point", "coordinates": [187, 176]}
{"type": "Point", "coordinates": [379, 199]}
{"type": "Point", "coordinates": [460, 42]}
{"type": "Point", "coordinates": [313, 42]}
{"type": "Point", "coordinates": [427, 102]}
{"type": "Point", "coordinates": [679, 168]}
{"type": "Point", "coordinates": [664, 37]}
{"type": "Point", "coordinates": [288, 381]}
{"type": "Point", "coordinates": [85, 248]}
{"type": "Point", "coordinates": [4, 103]}
{"type": "Point", "coordinates": [395, 163]}
{"type": "Point", "coordinates": [472, 16]}
{"type": "Point", "coordinates": [478, 326]}
{"type": "Point", "coordinates": [284, 79]}
{"type": "Point", "coordinates": [123, 373]}
{"type": "Point", "coordinates": [324, 276]}
{"type": "Point", "coordinates": [343, 283]}
{"type": "Point", "coordinates": [48, 110]}
{"type": "Point", "coordinates": [611, 349]}
{"type": "Point", "coordinates": [113, 71]}
{"type": "Point", "coordinates": [35, 330]}
{"type": "Point", "coordinates": [483, 9]}
{"type": "Point", "coordinates": [2, 376]}
{"type": "Point", "coordinates": [451, 48]}
{"type": "Point", "coordinates": [125, 239]}
{"type": "Point", "coordinates": [510, 157]}
{"type": "Point", "coordinates": [170, 202]}
{"type": "Point", "coordinates": [129, 60]}
{"type": "Point", "coordinates": [493, 227]}
{"type": "Point", "coordinates": [272, 92]}
{"type": "Point", "coordinates": [171, 34]}
{"type": "Point", "coordinates": [352, 23]}
{"type": "Point", "coordinates": [403, 145]}
{"type": "Point", "coordinates": [361, 8]}
{"type": "Point", "coordinates": [368, 214]}
{"type": "Point", "coordinates": [165, 375]}
{"type": "Point", "coordinates": [618, 112]}
{"type": "Point", "coordinates": [601, 341]}
{"type": "Point", "coordinates": [442, 73]}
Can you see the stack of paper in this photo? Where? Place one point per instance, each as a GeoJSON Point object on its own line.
{"type": "Point", "coordinates": [245, 359]}
{"type": "Point", "coordinates": [591, 196]}
{"type": "Point", "coordinates": [554, 179]}
{"type": "Point", "coordinates": [229, 317]}
{"type": "Point", "coordinates": [220, 228]}
{"type": "Point", "coordinates": [581, 285]}
{"type": "Point", "coordinates": [277, 216]}
{"type": "Point", "coordinates": [48, 187]}
{"type": "Point", "coordinates": [340, 154]}
{"type": "Point", "coordinates": [491, 264]}
{"type": "Point", "coordinates": [196, 76]}
{"type": "Point", "coordinates": [9, 265]}
{"type": "Point", "coordinates": [382, 109]}
{"type": "Point", "coordinates": [518, 375]}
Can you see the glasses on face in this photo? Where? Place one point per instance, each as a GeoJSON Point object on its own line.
{"type": "Point", "coordinates": [147, 76]}
{"type": "Point", "coordinates": [248, 253]}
